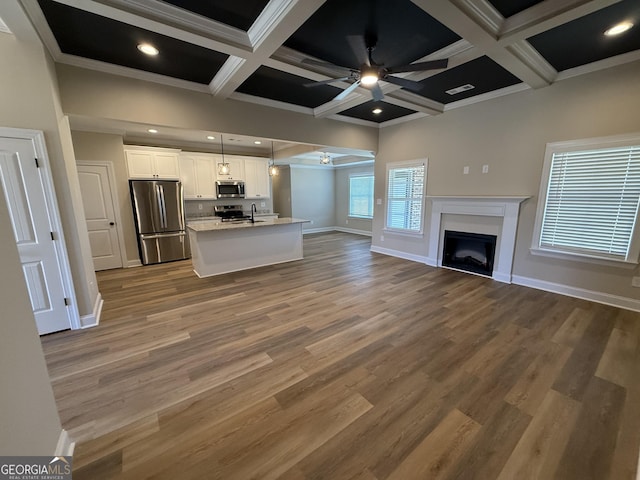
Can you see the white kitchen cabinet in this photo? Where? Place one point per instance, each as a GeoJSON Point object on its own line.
{"type": "Point", "coordinates": [153, 164]}
{"type": "Point", "coordinates": [236, 168]}
{"type": "Point", "coordinates": [256, 181]}
{"type": "Point", "coordinates": [197, 173]}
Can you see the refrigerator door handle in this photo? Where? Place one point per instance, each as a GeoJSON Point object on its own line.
{"type": "Point", "coordinates": [161, 235]}
{"type": "Point", "coordinates": [163, 207]}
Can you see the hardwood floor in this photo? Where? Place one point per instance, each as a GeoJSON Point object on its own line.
{"type": "Point", "coordinates": [347, 365]}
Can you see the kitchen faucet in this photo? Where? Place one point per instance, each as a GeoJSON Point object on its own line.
{"type": "Point", "coordinates": [253, 209]}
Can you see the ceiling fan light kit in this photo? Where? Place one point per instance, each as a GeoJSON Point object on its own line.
{"type": "Point", "coordinates": [371, 73]}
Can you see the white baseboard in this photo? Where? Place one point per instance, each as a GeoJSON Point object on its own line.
{"type": "Point", "coordinates": [317, 230]}
{"type": "Point", "coordinates": [133, 263]}
{"type": "Point", "coordinates": [399, 254]}
{"type": "Point", "coordinates": [352, 230]}
{"type": "Point", "coordinates": [432, 262]}
{"type": "Point", "coordinates": [65, 446]}
{"type": "Point", "coordinates": [598, 297]}
{"type": "Point", "coordinates": [501, 277]}
{"type": "Point", "coordinates": [93, 319]}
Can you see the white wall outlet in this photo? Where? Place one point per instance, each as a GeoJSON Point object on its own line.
{"type": "Point", "coordinates": [199, 206]}
{"type": "Point", "coordinates": [379, 201]}
{"type": "Point", "coordinates": [465, 171]}
{"type": "Point", "coordinates": [382, 238]}
{"type": "Point", "coordinates": [311, 222]}
{"type": "Point", "coordinates": [347, 222]}
{"type": "Point", "coordinates": [485, 168]}
{"type": "Point", "coordinates": [635, 282]}
{"type": "Point", "coordinates": [263, 204]}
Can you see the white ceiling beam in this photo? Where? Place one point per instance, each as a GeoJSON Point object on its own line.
{"type": "Point", "coordinates": [277, 22]}
{"type": "Point", "coordinates": [219, 37]}
{"type": "Point", "coordinates": [473, 21]}
{"type": "Point", "coordinates": [545, 16]}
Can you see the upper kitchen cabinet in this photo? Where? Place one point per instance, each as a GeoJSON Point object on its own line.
{"type": "Point", "coordinates": [256, 178]}
{"type": "Point", "coordinates": [198, 175]}
{"type": "Point", "coordinates": [236, 168]}
{"type": "Point", "coordinates": [152, 163]}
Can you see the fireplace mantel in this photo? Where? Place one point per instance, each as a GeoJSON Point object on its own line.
{"type": "Point", "coordinates": [507, 207]}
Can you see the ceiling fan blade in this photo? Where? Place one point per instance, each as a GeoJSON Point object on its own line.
{"type": "Point", "coordinates": [359, 48]}
{"type": "Point", "coordinates": [327, 65]}
{"type": "Point", "coordinates": [376, 92]}
{"type": "Point", "coordinates": [342, 95]}
{"type": "Point", "coordinates": [404, 83]}
{"type": "Point", "coordinates": [325, 82]}
{"type": "Point", "coordinates": [420, 66]}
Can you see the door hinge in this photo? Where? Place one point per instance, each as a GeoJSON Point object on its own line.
{"type": "Point", "coordinates": [37, 164]}
{"type": "Point", "coordinates": [53, 239]}
{"type": "Point", "coordinates": [67, 302]}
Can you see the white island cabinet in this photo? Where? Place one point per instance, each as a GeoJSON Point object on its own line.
{"type": "Point", "coordinates": [218, 247]}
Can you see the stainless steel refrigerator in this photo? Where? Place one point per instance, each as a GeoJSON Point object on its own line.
{"type": "Point", "coordinates": [159, 216]}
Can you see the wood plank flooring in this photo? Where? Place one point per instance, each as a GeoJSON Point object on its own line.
{"type": "Point", "coordinates": [347, 365]}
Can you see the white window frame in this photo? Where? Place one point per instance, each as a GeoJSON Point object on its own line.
{"type": "Point", "coordinates": [406, 164]}
{"type": "Point", "coordinates": [571, 146]}
{"type": "Point", "coordinates": [357, 175]}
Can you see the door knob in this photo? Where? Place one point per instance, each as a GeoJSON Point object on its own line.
{"type": "Point", "coordinates": [112, 223]}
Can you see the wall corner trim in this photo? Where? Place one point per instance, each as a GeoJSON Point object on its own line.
{"type": "Point", "coordinates": [593, 296]}
{"type": "Point", "coordinates": [93, 319]}
{"type": "Point", "coordinates": [65, 446]}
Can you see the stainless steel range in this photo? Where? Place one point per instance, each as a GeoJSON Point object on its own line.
{"type": "Point", "coordinates": [230, 213]}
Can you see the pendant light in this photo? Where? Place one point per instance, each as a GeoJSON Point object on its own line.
{"type": "Point", "coordinates": [273, 170]}
{"type": "Point", "coordinates": [223, 168]}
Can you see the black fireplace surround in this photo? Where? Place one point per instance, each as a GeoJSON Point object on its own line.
{"type": "Point", "coordinates": [473, 252]}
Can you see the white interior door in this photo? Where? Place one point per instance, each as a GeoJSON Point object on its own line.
{"type": "Point", "coordinates": [99, 209]}
{"type": "Point", "coordinates": [35, 236]}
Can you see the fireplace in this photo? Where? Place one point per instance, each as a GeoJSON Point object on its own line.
{"type": "Point", "coordinates": [472, 252]}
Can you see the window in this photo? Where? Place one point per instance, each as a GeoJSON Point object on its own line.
{"type": "Point", "coordinates": [361, 196]}
{"type": "Point", "coordinates": [589, 199]}
{"type": "Point", "coordinates": [405, 192]}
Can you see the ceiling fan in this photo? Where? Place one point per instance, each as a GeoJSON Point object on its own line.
{"type": "Point", "coordinates": [370, 72]}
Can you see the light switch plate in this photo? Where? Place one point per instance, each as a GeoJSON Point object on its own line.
{"type": "Point", "coordinates": [485, 168]}
{"type": "Point", "coordinates": [379, 201]}
{"type": "Point", "coordinates": [465, 171]}
{"type": "Point", "coordinates": [635, 282]}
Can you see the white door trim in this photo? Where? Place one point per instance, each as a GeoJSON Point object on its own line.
{"type": "Point", "coordinates": [37, 137]}
{"type": "Point", "coordinates": [114, 198]}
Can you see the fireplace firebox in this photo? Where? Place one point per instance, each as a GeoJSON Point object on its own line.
{"type": "Point", "coordinates": [472, 252]}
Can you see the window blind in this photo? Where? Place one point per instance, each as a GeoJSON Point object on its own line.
{"type": "Point", "coordinates": [404, 204]}
{"type": "Point", "coordinates": [361, 196]}
{"type": "Point", "coordinates": [592, 201]}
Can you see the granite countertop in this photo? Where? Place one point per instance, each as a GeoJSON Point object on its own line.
{"type": "Point", "coordinates": [213, 225]}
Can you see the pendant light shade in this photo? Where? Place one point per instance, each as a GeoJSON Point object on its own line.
{"type": "Point", "coordinates": [223, 168]}
{"type": "Point", "coordinates": [273, 169]}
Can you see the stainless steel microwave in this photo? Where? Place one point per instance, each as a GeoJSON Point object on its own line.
{"type": "Point", "coordinates": [229, 189]}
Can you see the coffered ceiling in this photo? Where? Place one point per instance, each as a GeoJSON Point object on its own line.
{"type": "Point", "coordinates": [268, 51]}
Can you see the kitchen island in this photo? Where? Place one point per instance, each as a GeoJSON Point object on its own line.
{"type": "Point", "coordinates": [222, 247]}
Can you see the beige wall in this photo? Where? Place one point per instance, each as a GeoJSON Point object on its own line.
{"type": "Point", "coordinates": [99, 95]}
{"type": "Point", "coordinates": [313, 196]}
{"type": "Point", "coordinates": [510, 134]}
{"type": "Point", "coordinates": [29, 100]}
{"type": "Point", "coordinates": [342, 199]}
{"type": "Point", "coordinates": [29, 421]}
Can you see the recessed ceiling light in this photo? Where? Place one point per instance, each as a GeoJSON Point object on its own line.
{"type": "Point", "coordinates": [257, 142]}
{"type": "Point", "coordinates": [376, 111]}
{"type": "Point", "coordinates": [618, 29]}
{"type": "Point", "coordinates": [210, 137]}
{"type": "Point", "coordinates": [152, 130]}
{"type": "Point", "coordinates": [148, 49]}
